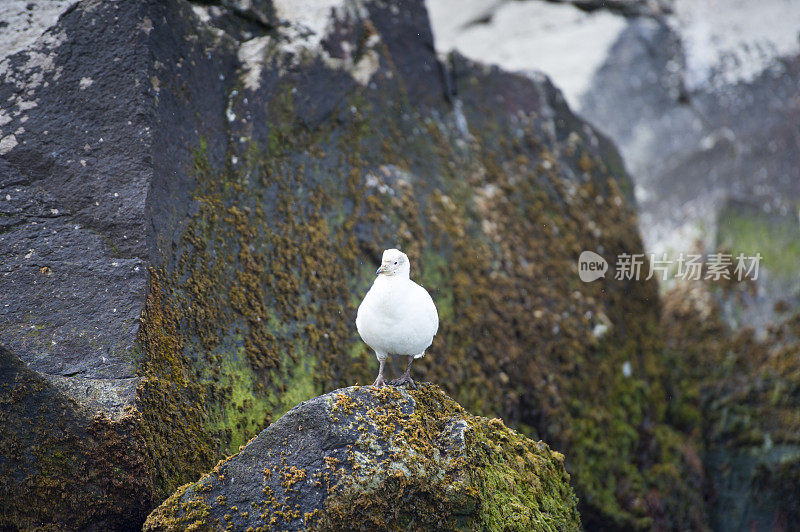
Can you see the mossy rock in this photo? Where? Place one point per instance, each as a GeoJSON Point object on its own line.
{"type": "Point", "coordinates": [735, 392]}
{"type": "Point", "coordinates": [366, 458]}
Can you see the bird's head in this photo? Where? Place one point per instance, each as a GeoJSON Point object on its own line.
{"type": "Point", "coordinates": [394, 262]}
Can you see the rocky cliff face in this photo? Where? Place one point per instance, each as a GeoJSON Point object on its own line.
{"type": "Point", "coordinates": [364, 458]}
{"type": "Point", "coordinates": [193, 201]}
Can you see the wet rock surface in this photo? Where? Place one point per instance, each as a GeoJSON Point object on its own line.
{"type": "Point", "coordinates": [363, 458]}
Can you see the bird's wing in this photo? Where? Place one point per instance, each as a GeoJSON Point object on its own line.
{"type": "Point", "coordinates": [363, 308]}
{"type": "Point", "coordinates": [428, 306]}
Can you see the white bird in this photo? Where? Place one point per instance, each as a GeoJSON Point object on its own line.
{"type": "Point", "coordinates": [397, 316]}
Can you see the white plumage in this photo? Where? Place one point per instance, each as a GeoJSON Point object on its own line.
{"type": "Point", "coordinates": [397, 316]}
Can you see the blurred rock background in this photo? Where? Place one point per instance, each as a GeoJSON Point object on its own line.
{"type": "Point", "coordinates": [172, 174]}
{"type": "Point", "coordinates": [702, 97]}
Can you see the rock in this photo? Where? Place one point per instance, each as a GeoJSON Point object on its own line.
{"type": "Point", "coordinates": [363, 458]}
{"type": "Point", "coordinates": [23, 21]}
{"type": "Point", "coordinates": [191, 207]}
{"type": "Point", "coordinates": [689, 136]}
{"type": "Point", "coordinates": [242, 19]}
{"type": "Point", "coordinates": [565, 42]}
{"type": "Point", "coordinates": [701, 100]}
{"type": "Point", "coordinates": [708, 134]}
{"type": "Point", "coordinates": [687, 90]}
{"type": "Point", "coordinates": [738, 389]}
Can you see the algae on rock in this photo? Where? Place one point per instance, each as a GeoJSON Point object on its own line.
{"type": "Point", "coordinates": [734, 393]}
{"type": "Point", "coordinates": [365, 458]}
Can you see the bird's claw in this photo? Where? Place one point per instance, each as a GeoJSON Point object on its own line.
{"type": "Point", "coordinates": [379, 382]}
{"type": "Point", "coordinates": [405, 379]}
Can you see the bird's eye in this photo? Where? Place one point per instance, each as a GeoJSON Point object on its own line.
{"type": "Point", "coordinates": [395, 262]}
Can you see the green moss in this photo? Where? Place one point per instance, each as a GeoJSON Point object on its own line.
{"type": "Point", "coordinates": [748, 230]}
{"type": "Point", "coordinates": [414, 459]}
{"type": "Point", "coordinates": [300, 387]}
{"type": "Point", "coordinates": [521, 485]}
{"type": "Point", "coordinates": [168, 392]}
{"type": "Point", "coordinates": [65, 467]}
{"type": "Point", "coordinates": [177, 513]}
{"type": "Point", "coordinates": [244, 408]}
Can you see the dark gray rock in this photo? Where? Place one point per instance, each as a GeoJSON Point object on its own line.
{"type": "Point", "coordinates": [73, 187]}
{"type": "Point", "coordinates": [89, 180]}
{"type": "Point", "coordinates": [628, 8]}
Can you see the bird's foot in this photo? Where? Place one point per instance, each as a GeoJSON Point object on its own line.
{"type": "Point", "coordinates": [380, 381]}
{"type": "Point", "coordinates": [404, 379]}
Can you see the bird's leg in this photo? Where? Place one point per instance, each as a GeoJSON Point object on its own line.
{"type": "Point", "coordinates": [380, 380]}
{"type": "Point", "coordinates": [405, 378]}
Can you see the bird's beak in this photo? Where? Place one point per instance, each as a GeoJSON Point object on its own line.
{"type": "Point", "coordinates": [381, 270]}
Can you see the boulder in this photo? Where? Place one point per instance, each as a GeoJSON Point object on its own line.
{"type": "Point", "coordinates": [736, 390]}
{"type": "Point", "coordinates": [700, 99]}
{"type": "Point", "coordinates": [366, 458]}
{"type": "Point", "coordinates": [708, 133]}
{"type": "Point", "coordinates": [193, 201]}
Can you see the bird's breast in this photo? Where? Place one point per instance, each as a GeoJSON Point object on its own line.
{"type": "Point", "coordinates": [397, 318]}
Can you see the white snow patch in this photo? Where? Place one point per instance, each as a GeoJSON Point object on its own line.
{"type": "Point", "coordinates": [7, 144]}
{"type": "Point", "coordinates": [567, 44]}
{"type": "Point", "coordinates": [366, 67]}
{"type": "Point", "coordinates": [24, 26]}
{"type": "Point", "coordinates": [39, 59]}
{"type": "Point", "coordinates": [451, 17]}
{"type": "Point", "coordinates": [201, 12]}
{"type": "Point", "coordinates": [728, 41]}
{"type": "Point", "coordinates": [313, 15]}
{"type": "Point", "coordinates": [253, 54]}
{"type": "Point", "coordinates": [304, 24]}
